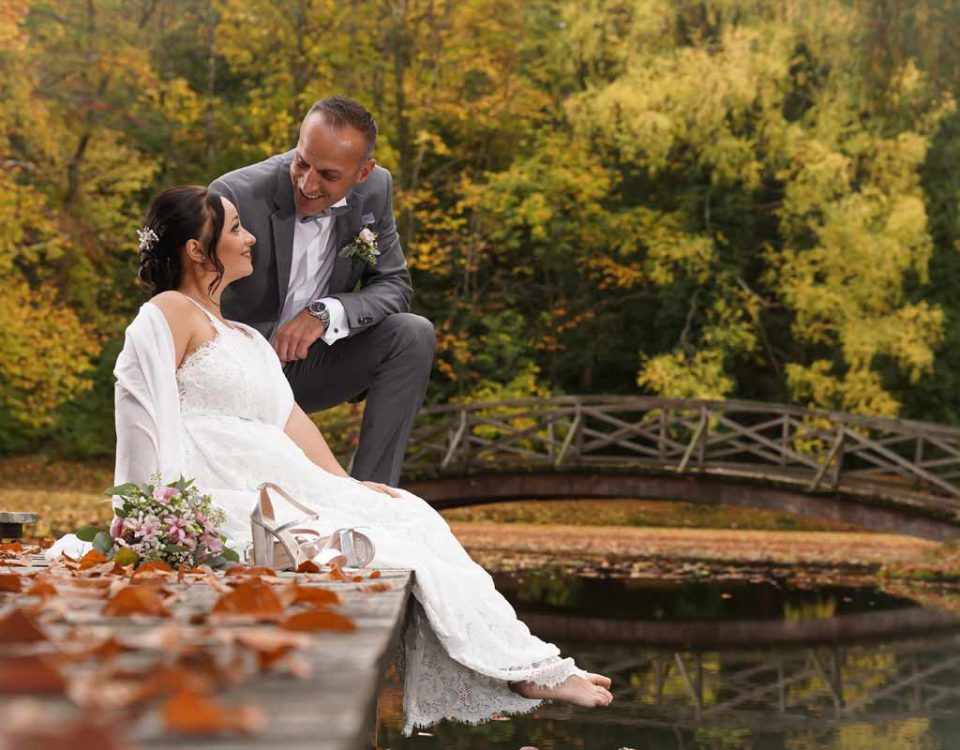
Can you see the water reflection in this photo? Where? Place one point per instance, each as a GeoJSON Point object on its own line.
{"type": "Point", "coordinates": [762, 689]}
{"type": "Point", "coordinates": [550, 590]}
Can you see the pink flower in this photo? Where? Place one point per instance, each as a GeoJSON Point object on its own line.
{"type": "Point", "coordinates": [177, 529]}
{"type": "Point", "coordinates": [211, 542]}
{"type": "Point", "coordinates": [116, 528]}
{"type": "Point", "coordinates": [149, 526]}
{"type": "Point", "coordinates": [163, 494]}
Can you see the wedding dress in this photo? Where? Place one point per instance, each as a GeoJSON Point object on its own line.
{"type": "Point", "coordinates": [463, 643]}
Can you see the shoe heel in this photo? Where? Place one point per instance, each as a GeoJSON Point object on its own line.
{"type": "Point", "coordinates": [262, 543]}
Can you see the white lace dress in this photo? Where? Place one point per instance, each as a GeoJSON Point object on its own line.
{"type": "Point", "coordinates": [464, 641]}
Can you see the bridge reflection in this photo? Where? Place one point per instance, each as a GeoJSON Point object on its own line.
{"type": "Point", "coordinates": [777, 691]}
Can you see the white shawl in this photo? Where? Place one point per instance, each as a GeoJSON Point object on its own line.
{"type": "Point", "coordinates": [147, 416]}
{"type": "Point", "coordinates": [147, 404]}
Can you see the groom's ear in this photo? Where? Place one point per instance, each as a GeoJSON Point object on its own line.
{"type": "Point", "coordinates": [365, 170]}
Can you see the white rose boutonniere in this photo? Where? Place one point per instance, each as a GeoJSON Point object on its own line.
{"type": "Point", "coordinates": [364, 246]}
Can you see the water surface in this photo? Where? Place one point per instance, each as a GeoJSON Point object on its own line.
{"type": "Point", "coordinates": [778, 667]}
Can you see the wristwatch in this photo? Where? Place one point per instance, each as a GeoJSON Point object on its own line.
{"type": "Point", "coordinates": [319, 310]}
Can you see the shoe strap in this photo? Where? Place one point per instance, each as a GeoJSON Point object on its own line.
{"type": "Point", "coordinates": [290, 524]}
{"type": "Point", "coordinates": [289, 498]}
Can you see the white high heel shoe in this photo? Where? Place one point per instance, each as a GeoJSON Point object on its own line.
{"type": "Point", "coordinates": [289, 545]}
{"type": "Point", "coordinates": [356, 547]}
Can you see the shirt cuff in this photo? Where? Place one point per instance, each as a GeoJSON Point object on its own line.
{"type": "Point", "coordinates": [338, 328]}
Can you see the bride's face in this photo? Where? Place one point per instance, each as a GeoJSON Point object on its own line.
{"type": "Point", "coordinates": [235, 246]}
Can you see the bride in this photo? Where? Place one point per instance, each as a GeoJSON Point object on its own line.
{"type": "Point", "coordinates": [217, 389]}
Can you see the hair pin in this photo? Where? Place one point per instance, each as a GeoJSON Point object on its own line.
{"type": "Point", "coordinates": [148, 238]}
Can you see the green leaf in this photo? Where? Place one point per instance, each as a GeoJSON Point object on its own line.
{"type": "Point", "coordinates": [174, 548]}
{"type": "Point", "coordinates": [103, 542]}
{"type": "Point", "coordinates": [230, 555]}
{"type": "Point", "coordinates": [89, 533]}
{"type": "Point", "coordinates": [125, 556]}
{"type": "Point", "coordinates": [120, 512]}
{"type": "Point", "coordinates": [122, 489]}
{"type": "Point", "coordinates": [217, 563]}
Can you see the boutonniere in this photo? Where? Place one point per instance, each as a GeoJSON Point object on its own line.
{"type": "Point", "coordinates": [364, 246]}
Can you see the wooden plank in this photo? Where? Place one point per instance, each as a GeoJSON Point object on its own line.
{"type": "Point", "coordinates": [334, 708]}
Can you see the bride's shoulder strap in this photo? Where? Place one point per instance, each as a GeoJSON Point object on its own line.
{"type": "Point", "coordinates": [205, 311]}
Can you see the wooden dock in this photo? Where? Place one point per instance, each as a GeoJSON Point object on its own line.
{"type": "Point", "coordinates": [327, 703]}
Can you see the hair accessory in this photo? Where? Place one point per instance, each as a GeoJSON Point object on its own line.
{"type": "Point", "coordinates": [148, 238]}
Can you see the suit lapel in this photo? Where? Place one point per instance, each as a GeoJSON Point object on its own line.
{"type": "Point", "coordinates": [281, 227]}
{"type": "Point", "coordinates": [343, 232]}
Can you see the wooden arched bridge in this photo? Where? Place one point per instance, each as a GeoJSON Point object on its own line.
{"type": "Point", "coordinates": [888, 474]}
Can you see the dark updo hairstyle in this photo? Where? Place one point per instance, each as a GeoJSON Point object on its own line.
{"type": "Point", "coordinates": [188, 212]}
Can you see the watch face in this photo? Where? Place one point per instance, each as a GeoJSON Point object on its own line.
{"type": "Point", "coordinates": [317, 307]}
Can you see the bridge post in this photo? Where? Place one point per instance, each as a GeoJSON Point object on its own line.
{"type": "Point", "coordinates": [456, 439]}
{"type": "Point", "coordinates": [662, 435]}
{"type": "Point", "coordinates": [836, 453]}
{"type": "Point", "coordinates": [695, 443]}
{"type": "Point", "coordinates": [917, 461]}
{"type": "Point", "coordinates": [702, 447]}
{"type": "Point", "coordinates": [784, 439]}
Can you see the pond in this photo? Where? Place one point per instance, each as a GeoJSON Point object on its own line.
{"type": "Point", "coordinates": [708, 665]}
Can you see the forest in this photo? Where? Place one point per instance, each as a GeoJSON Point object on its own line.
{"type": "Point", "coordinates": [753, 199]}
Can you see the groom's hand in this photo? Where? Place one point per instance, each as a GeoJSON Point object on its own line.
{"type": "Point", "coordinates": [294, 338]}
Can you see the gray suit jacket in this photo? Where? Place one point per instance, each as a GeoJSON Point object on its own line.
{"type": "Point", "coordinates": [263, 194]}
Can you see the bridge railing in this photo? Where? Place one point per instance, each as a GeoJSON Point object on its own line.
{"type": "Point", "coordinates": [819, 450]}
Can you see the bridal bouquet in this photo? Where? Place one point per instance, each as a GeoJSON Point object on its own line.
{"type": "Point", "coordinates": [172, 523]}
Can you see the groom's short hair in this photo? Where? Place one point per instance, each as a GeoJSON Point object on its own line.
{"type": "Point", "coordinates": [339, 111]}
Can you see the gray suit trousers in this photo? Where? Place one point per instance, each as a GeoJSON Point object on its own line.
{"type": "Point", "coordinates": [391, 362]}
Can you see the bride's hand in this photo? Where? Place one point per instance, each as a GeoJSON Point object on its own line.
{"type": "Point", "coordinates": [377, 487]}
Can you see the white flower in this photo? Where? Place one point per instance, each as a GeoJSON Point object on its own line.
{"type": "Point", "coordinates": [367, 236]}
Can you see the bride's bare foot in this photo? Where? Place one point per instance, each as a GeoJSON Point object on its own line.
{"type": "Point", "coordinates": [599, 679]}
{"type": "Point", "coordinates": [575, 689]}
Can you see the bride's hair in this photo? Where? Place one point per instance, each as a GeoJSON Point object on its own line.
{"type": "Point", "coordinates": [188, 212]}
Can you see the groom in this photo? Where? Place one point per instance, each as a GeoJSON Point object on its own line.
{"type": "Point", "coordinates": [333, 302]}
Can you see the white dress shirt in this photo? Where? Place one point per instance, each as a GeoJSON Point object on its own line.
{"type": "Point", "coordinates": [310, 271]}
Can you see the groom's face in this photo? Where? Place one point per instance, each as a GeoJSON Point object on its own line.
{"type": "Point", "coordinates": [326, 164]}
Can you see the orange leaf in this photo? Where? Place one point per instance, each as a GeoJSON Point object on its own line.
{"type": "Point", "coordinates": [92, 558]}
{"type": "Point", "coordinates": [270, 644]}
{"type": "Point", "coordinates": [318, 619]}
{"type": "Point", "coordinates": [308, 566]}
{"type": "Point", "coordinates": [193, 713]}
{"type": "Point", "coordinates": [184, 571]}
{"type": "Point", "coordinates": [11, 547]}
{"type": "Point", "coordinates": [136, 600]}
{"type": "Point", "coordinates": [30, 675]}
{"type": "Point", "coordinates": [251, 598]}
{"type": "Point", "coordinates": [316, 596]}
{"type": "Point", "coordinates": [43, 589]}
{"type": "Point", "coordinates": [375, 574]}
{"type": "Point", "coordinates": [376, 588]}
{"type": "Point", "coordinates": [155, 565]}
{"type": "Point", "coordinates": [106, 650]}
{"type": "Point", "coordinates": [254, 570]}
{"type": "Point", "coordinates": [153, 683]}
{"type": "Point", "coordinates": [9, 582]}
{"type": "Point", "coordinates": [97, 584]}
{"type": "Point", "coordinates": [268, 637]}
{"type": "Point", "coordinates": [17, 627]}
